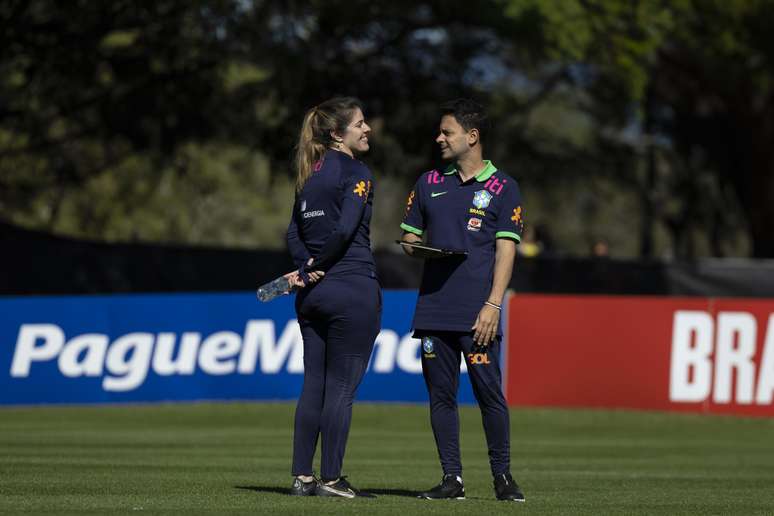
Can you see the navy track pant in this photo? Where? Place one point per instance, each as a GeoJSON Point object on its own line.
{"type": "Point", "coordinates": [441, 369]}
{"type": "Point", "coordinates": [340, 319]}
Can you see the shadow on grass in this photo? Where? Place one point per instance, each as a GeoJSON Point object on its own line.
{"type": "Point", "coordinates": [265, 489]}
{"type": "Point", "coordinates": [365, 492]}
{"type": "Point", "coordinates": [393, 492]}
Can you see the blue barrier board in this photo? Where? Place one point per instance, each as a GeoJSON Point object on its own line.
{"type": "Point", "coordinates": [175, 347]}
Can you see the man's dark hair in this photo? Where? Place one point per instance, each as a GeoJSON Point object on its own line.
{"type": "Point", "coordinates": [469, 114]}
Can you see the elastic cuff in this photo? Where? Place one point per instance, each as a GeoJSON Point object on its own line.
{"type": "Point", "coordinates": [508, 234]}
{"type": "Point", "coordinates": [411, 229]}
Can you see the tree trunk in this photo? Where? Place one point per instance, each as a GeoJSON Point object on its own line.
{"type": "Point", "coordinates": [753, 178]}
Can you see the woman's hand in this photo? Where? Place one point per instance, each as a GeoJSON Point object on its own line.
{"type": "Point", "coordinates": [314, 276]}
{"type": "Point", "coordinates": [294, 279]}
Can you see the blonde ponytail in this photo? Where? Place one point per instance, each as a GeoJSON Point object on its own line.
{"type": "Point", "coordinates": [332, 116]}
{"type": "Point", "coordinates": [309, 150]}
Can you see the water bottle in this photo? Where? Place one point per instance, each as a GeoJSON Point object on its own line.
{"type": "Point", "coordinates": [274, 288]}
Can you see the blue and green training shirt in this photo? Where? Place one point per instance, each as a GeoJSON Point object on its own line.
{"type": "Point", "coordinates": [449, 213]}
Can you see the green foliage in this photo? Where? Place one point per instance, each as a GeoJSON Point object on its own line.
{"type": "Point", "coordinates": [620, 37]}
{"type": "Point", "coordinates": [161, 121]}
{"type": "Point", "coordinates": [212, 194]}
{"type": "Point", "coordinates": [698, 75]}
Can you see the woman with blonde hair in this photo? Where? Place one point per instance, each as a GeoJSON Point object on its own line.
{"type": "Point", "coordinates": [339, 302]}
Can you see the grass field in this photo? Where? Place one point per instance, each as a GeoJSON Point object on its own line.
{"type": "Point", "coordinates": [234, 457]}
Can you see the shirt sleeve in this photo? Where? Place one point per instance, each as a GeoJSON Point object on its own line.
{"type": "Point", "coordinates": [298, 250]}
{"type": "Point", "coordinates": [355, 191]}
{"type": "Point", "coordinates": [413, 218]}
{"type": "Point", "coordinates": [510, 222]}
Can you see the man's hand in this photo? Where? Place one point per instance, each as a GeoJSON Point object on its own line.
{"type": "Point", "coordinates": [486, 325]}
{"type": "Point", "coordinates": [412, 239]}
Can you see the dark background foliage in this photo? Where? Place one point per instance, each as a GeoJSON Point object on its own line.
{"type": "Point", "coordinates": [646, 123]}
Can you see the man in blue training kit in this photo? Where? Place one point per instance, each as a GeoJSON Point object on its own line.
{"type": "Point", "coordinates": [473, 206]}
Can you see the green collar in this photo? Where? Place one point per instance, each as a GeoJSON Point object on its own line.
{"type": "Point", "coordinates": [482, 176]}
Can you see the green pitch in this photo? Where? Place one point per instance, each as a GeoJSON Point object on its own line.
{"type": "Point", "coordinates": [232, 457]}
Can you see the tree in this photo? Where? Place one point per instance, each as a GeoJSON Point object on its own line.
{"type": "Point", "coordinates": [699, 77]}
{"type": "Point", "coordinates": [91, 87]}
{"type": "Point", "coordinates": [111, 96]}
{"type": "Point", "coordinates": [150, 108]}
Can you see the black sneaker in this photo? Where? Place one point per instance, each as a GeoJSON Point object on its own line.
{"type": "Point", "coordinates": [450, 488]}
{"type": "Point", "coordinates": [507, 489]}
{"type": "Point", "coordinates": [340, 488]}
{"type": "Point", "coordinates": [301, 488]}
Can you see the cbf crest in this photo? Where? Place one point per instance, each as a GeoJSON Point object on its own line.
{"type": "Point", "coordinates": [427, 346]}
{"type": "Point", "coordinates": [481, 199]}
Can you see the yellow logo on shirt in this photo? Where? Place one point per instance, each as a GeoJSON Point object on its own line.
{"type": "Point", "coordinates": [516, 215]}
{"type": "Point", "coordinates": [409, 202]}
{"type": "Point", "coordinates": [360, 189]}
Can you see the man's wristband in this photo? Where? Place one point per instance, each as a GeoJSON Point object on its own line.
{"type": "Point", "coordinates": [493, 305]}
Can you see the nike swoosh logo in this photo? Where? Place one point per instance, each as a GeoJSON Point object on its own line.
{"type": "Point", "coordinates": [436, 194]}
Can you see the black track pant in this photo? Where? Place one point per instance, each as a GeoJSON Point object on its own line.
{"type": "Point", "coordinates": [340, 319]}
{"type": "Point", "coordinates": [441, 369]}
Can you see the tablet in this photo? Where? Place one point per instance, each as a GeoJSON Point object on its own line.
{"type": "Point", "coordinates": [425, 251]}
